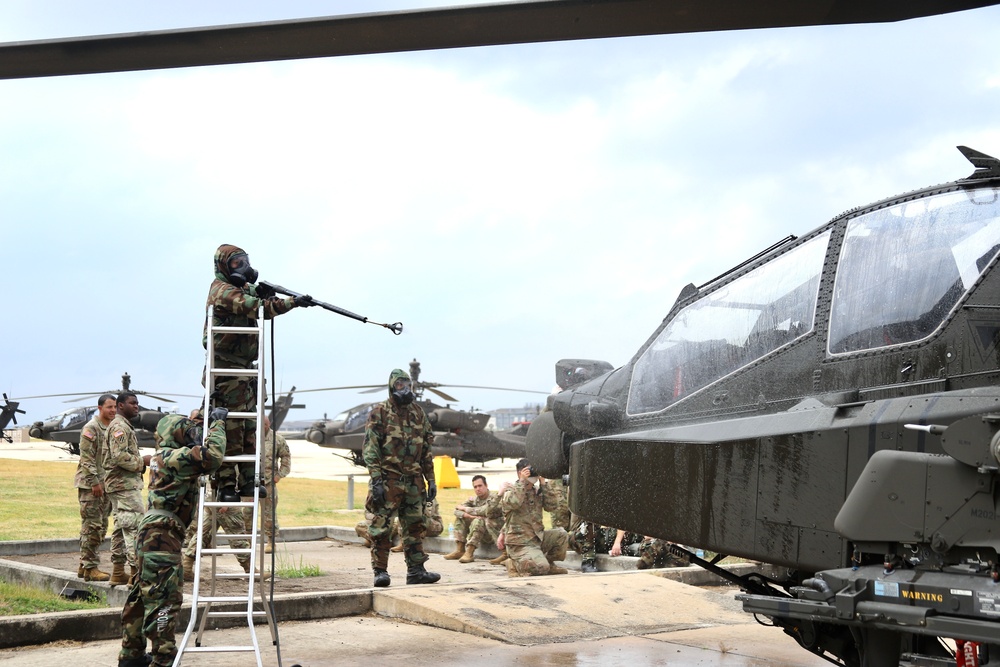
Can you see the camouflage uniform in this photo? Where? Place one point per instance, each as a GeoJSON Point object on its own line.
{"type": "Point", "coordinates": [561, 517]}
{"type": "Point", "coordinates": [361, 528]}
{"type": "Point", "coordinates": [237, 307]}
{"type": "Point", "coordinates": [589, 539]}
{"type": "Point", "coordinates": [397, 450]}
{"type": "Point", "coordinates": [274, 446]}
{"type": "Point", "coordinates": [653, 552]}
{"type": "Point", "coordinates": [94, 511]}
{"type": "Point", "coordinates": [433, 525]}
{"type": "Point", "coordinates": [531, 548]}
{"type": "Point", "coordinates": [123, 468]}
{"type": "Point", "coordinates": [486, 525]}
{"type": "Point", "coordinates": [155, 597]}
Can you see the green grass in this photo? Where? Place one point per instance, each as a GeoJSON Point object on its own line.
{"type": "Point", "coordinates": [38, 501]}
{"type": "Point", "coordinates": [288, 569]}
{"type": "Point", "coordinates": [18, 600]}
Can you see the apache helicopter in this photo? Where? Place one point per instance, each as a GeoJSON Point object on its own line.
{"type": "Point", "coordinates": [459, 434]}
{"type": "Point", "coordinates": [8, 414]}
{"type": "Point", "coordinates": [830, 406]}
{"type": "Point", "coordinates": [65, 427]}
{"type": "Point", "coordinates": [732, 429]}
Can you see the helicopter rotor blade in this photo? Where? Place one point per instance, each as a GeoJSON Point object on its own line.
{"type": "Point", "coordinates": [441, 394]}
{"type": "Point", "coordinates": [473, 386]}
{"type": "Point", "coordinates": [360, 386]}
{"type": "Point", "coordinates": [443, 28]}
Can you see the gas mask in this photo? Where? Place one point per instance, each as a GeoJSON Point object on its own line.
{"type": "Point", "coordinates": [194, 434]}
{"type": "Point", "coordinates": [402, 393]}
{"type": "Point", "coordinates": [240, 271]}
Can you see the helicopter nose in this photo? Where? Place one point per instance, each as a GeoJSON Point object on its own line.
{"type": "Point", "coordinates": [315, 436]}
{"type": "Point", "coordinates": [545, 446]}
{"type": "Point", "coordinates": [36, 430]}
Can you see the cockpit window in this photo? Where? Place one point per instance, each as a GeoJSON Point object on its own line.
{"type": "Point", "coordinates": [729, 328]}
{"type": "Point", "coordinates": [357, 418]}
{"type": "Point", "coordinates": [903, 269]}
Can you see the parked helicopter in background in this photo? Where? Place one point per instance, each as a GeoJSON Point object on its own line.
{"type": "Point", "coordinates": [65, 427]}
{"type": "Point", "coordinates": [830, 406]}
{"type": "Point", "coordinates": [460, 434]}
{"type": "Point", "coordinates": [8, 414]}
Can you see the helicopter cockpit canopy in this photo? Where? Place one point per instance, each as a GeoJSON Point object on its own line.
{"type": "Point", "coordinates": [355, 418]}
{"type": "Point", "coordinates": [730, 327]}
{"type": "Point", "coordinates": [902, 271]}
{"type": "Point", "coordinates": [72, 418]}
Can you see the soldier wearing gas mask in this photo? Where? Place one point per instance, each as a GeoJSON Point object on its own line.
{"type": "Point", "coordinates": [236, 299]}
{"type": "Point", "coordinates": [154, 600]}
{"type": "Point", "coordinates": [397, 452]}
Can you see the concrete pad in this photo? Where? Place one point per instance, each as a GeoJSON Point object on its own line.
{"type": "Point", "coordinates": [537, 610]}
{"type": "Point", "coordinates": [769, 645]}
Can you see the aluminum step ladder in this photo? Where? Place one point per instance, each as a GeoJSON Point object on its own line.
{"type": "Point", "coordinates": [256, 600]}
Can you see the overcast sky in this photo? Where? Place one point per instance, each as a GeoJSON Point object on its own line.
{"type": "Point", "coordinates": [510, 205]}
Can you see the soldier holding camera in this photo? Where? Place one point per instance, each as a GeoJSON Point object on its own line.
{"type": "Point", "coordinates": [532, 550]}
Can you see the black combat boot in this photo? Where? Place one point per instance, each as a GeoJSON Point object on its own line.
{"type": "Point", "coordinates": [382, 579]}
{"type": "Point", "coordinates": [589, 565]}
{"type": "Point", "coordinates": [247, 491]}
{"type": "Point", "coordinates": [227, 494]}
{"type": "Point", "coordinates": [418, 575]}
{"type": "Point", "coordinates": [141, 661]}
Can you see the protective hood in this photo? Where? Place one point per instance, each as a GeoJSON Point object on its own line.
{"type": "Point", "coordinates": [396, 374]}
{"type": "Point", "coordinates": [171, 432]}
{"type": "Point", "coordinates": [222, 257]}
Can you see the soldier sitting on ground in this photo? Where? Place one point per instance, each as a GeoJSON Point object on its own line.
{"type": "Point", "coordinates": [589, 539]}
{"type": "Point", "coordinates": [478, 521]}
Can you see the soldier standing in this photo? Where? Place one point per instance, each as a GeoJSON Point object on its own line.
{"type": "Point", "coordinates": [479, 520]}
{"type": "Point", "coordinates": [95, 509]}
{"type": "Point", "coordinates": [532, 550]}
{"type": "Point", "coordinates": [397, 452]}
{"type": "Point", "coordinates": [236, 299]}
{"type": "Point", "coordinates": [123, 468]}
{"type": "Point", "coordinates": [275, 449]}
{"type": "Point", "coordinates": [150, 612]}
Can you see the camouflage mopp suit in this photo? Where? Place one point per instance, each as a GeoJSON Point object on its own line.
{"type": "Point", "coordinates": [397, 452]}
{"type": "Point", "coordinates": [150, 612]}
{"type": "Point", "coordinates": [237, 307]}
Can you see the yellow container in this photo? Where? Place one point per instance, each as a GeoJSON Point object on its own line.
{"type": "Point", "coordinates": [444, 473]}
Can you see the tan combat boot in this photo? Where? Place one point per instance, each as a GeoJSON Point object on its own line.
{"type": "Point", "coordinates": [95, 574]}
{"type": "Point", "coordinates": [396, 549]}
{"type": "Point", "coordinates": [79, 571]}
{"type": "Point", "coordinates": [187, 562]}
{"type": "Point", "coordinates": [512, 569]}
{"type": "Point", "coordinates": [457, 553]}
{"type": "Point", "coordinates": [499, 559]}
{"type": "Point", "coordinates": [555, 569]}
{"type": "Point", "coordinates": [118, 575]}
{"type": "Point", "coordinates": [268, 548]}
{"type": "Point", "coordinates": [469, 551]}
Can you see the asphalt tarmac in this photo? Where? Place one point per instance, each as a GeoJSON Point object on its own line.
{"type": "Point", "coordinates": [476, 615]}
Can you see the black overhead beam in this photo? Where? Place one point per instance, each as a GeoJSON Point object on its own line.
{"type": "Point", "coordinates": [454, 27]}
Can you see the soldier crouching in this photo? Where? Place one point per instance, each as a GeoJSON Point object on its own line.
{"type": "Point", "coordinates": [532, 549]}
{"type": "Point", "coordinates": [150, 612]}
